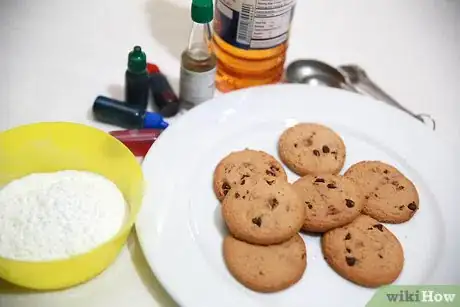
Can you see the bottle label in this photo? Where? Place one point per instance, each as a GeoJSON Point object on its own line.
{"type": "Point", "coordinates": [197, 87]}
{"type": "Point", "coordinates": [254, 24]}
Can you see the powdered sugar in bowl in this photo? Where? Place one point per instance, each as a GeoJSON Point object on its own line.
{"type": "Point", "coordinates": [82, 189]}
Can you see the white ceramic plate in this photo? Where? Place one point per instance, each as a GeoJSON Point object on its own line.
{"type": "Point", "coordinates": [180, 226]}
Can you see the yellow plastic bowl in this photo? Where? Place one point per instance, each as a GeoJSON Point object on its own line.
{"type": "Point", "coordinates": [50, 147]}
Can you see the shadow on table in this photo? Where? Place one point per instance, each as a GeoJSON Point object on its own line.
{"type": "Point", "coordinates": [143, 269]}
{"type": "Point", "coordinates": [7, 288]}
{"type": "Point", "coordinates": [116, 91]}
{"type": "Point", "coordinates": [170, 25]}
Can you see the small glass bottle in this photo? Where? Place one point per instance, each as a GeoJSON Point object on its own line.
{"type": "Point", "coordinates": [163, 95]}
{"type": "Point", "coordinates": [198, 62]}
{"type": "Point", "coordinates": [111, 111]}
{"type": "Point", "coordinates": [137, 79]}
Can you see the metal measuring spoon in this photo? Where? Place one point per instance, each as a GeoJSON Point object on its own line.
{"type": "Point", "coordinates": [357, 77]}
{"type": "Point", "coordinates": [347, 77]}
{"type": "Point", "coordinates": [316, 73]}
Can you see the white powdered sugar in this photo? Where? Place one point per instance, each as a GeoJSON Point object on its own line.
{"type": "Point", "coordinates": [50, 216]}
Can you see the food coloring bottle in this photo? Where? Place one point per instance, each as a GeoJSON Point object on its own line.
{"type": "Point", "coordinates": [163, 95]}
{"type": "Point", "coordinates": [137, 79]}
{"type": "Point", "coordinates": [121, 114]}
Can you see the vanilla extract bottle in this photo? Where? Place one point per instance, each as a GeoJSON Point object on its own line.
{"type": "Point", "coordinates": [198, 62]}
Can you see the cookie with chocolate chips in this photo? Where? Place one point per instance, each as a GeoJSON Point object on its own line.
{"type": "Point", "coordinates": [389, 196]}
{"type": "Point", "coordinates": [263, 213]}
{"type": "Point", "coordinates": [330, 201]}
{"type": "Point", "coordinates": [240, 166]}
{"type": "Point", "coordinates": [266, 268]}
{"type": "Point", "coordinates": [364, 252]}
{"type": "Point", "coordinates": [312, 149]}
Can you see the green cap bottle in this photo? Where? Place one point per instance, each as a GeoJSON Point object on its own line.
{"type": "Point", "coordinates": [202, 11]}
{"type": "Point", "coordinates": [137, 61]}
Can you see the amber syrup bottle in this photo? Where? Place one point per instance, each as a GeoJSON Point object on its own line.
{"type": "Point", "coordinates": [250, 41]}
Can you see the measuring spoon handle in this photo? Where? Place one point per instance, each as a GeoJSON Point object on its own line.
{"type": "Point", "coordinates": [358, 78]}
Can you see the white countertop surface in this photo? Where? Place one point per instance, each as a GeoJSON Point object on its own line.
{"type": "Point", "coordinates": [58, 55]}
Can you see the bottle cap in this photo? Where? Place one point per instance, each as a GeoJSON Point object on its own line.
{"type": "Point", "coordinates": [202, 11]}
{"type": "Point", "coordinates": [137, 60]}
{"type": "Point", "coordinates": [154, 121]}
{"type": "Point", "coordinates": [152, 69]}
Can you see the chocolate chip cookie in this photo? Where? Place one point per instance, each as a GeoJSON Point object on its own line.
{"type": "Point", "coordinates": [263, 212]}
{"type": "Point", "coordinates": [388, 195]}
{"type": "Point", "coordinates": [238, 166]}
{"type": "Point", "coordinates": [266, 268]}
{"type": "Point", "coordinates": [364, 252]}
{"type": "Point", "coordinates": [330, 200]}
{"type": "Point", "coordinates": [312, 149]}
